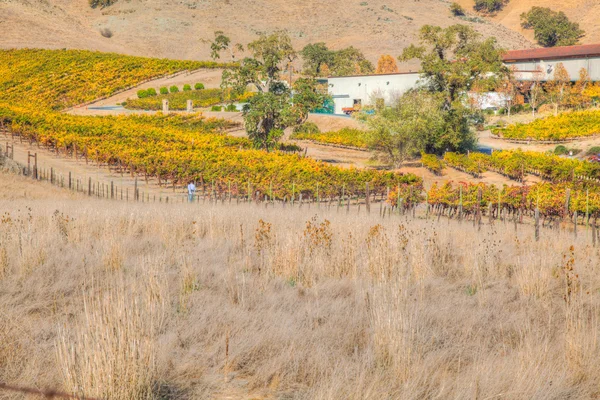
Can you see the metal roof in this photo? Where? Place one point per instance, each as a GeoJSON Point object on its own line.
{"type": "Point", "coordinates": [365, 75]}
{"type": "Point", "coordinates": [587, 50]}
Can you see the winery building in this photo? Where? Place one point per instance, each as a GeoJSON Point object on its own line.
{"type": "Point", "coordinates": [532, 64]}
{"type": "Point", "coordinates": [358, 90]}
{"type": "Point", "coordinates": [543, 61]}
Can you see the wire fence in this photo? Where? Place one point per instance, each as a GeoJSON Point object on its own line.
{"type": "Point", "coordinates": [46, 394]}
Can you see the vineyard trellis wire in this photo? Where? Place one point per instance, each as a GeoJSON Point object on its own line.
{"type": "Point", "coordinates": [47, 394]}
{"type": "Point", "coordinates": [543, 205]}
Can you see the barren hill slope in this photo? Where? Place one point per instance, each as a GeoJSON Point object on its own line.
{"type": "Point", "coordinates": [585, 12]}
{"type": "Point", "coordinates": [174, 28]}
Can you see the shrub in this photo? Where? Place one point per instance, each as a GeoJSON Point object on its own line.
{"type": "Point", "coordinates": [187, 88]}
{"type": "Point", "coordinates": [551, 28]}
{"type": "Point", "coordinates": [101, 3]}
{"type": "Point", "coordinates": [457, 10]}
{"type": "Point", "coordinates": [106, 32]}
{"type": "Point", "coordinates": [164, 90]}
{"type": "Point", "coordinates": [489, 6]}
{"type": "Point", "coordinates": [142, 94]}
{"type": "Point", "coordinates": [151, 92]}
{"type": "Point", "coordinates": [174, 89]}
{"type": "Point", "coordinates": [231, 108]}
{"type": "Point", "coordinates": [289, 147]}
{"type": "Point", "coordinates": [199, 86]}
{"type": "Point", "coordinates": [560, 150]}
{"type": "Point", "coordinates": [307, 127]}
{"type": "Point", "coordinates": [216, 108]}
{"type": "Point", "coordinates": [593, 150]}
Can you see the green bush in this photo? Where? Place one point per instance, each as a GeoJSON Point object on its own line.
{"type": "Point", "coordinates": [187, 88]}
{"type": "Point", "coordinates": [101, 3]}
{"type": "Point", "coordinates": [174, 89]}
{"type": "Point", "coordinates": [231, 108]}
{"type": "Point", "coordinates": [164, 90]}
{"type": "Point", "coordinates": [216, 108]}
{"type": "Point", "coordinates": [199, 86]}
{"type": "Point", "coordinates": [489, 6]}
{"type": "Point", "coordinates": [178, 101]}
{"type": "Point", "coordinates": [594, 150]}
{"type": "Point", "coordinates": [289, 147]}
{"type": "Point", "coordinates": [307, 127]}
{"type": "Point", "coordinates": [151, 92]}
{"type": "Point", "coordinates": [142, 94]}
{"type": "Point", "coordinates": [560, 150]}
{"type": "Point", "coordinates": [457, 10]}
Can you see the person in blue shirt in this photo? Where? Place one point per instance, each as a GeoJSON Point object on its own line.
{"type": "Point", "coordinates": [191, 191]}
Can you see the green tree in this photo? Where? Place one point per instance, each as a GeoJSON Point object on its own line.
{"type": "Point", "coordinates": [417, 123]}
{"type": "Point", "coordinates": [221, 43]}
{"type": "Point", "coordinates": [268, 114]}
{"type": "Point", "coordinates": [350, 61]}
{"type": "Point", "coordinates": [269, 53]}
{"type": "Point", "coordinates": [276, 106]}
{"type": "Point", "coordinates": [551, 28]}
{"type": "Point", "coordinates": [454, 60]}
{"type": "Point", "coordinates": [315, 56]}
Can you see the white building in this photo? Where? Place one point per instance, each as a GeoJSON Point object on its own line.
{"type": "Point", "coordinates": [531, 64]}
{"type": "Point", "coordinates": [542, 62]}
{"type": "Point", "coordinates": [348, 91]}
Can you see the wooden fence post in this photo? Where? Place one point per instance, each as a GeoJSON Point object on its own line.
{"type": "Point", "coordinates": [567, 203]}
{"type": "Point", "coordinates": [367, 198]}
{"type": "Point", "coordinates": [537, 224]}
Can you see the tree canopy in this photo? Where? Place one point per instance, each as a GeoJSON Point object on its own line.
{"type": "Point", "coordinates": [222, 42]}
{"type": "Point", "coordinates": [551, 28]}
{"type": "Point", "coordinates": [315, 56]}
{"type": "Point", "coordinates": [386, 65]}
{"type": "Point", "coordinates": [412, 126]}
{"type": "Point", "coordinates": [269, 54]}
{"type": "Point", "coordinates": [276, 106]}
{"type": "Point", "coordinates": [454, 60]}
{"type": "Point", "coordinates": [320, 60]}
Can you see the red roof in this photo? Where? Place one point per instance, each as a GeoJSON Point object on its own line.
{"type": "Point", "coordinates": [586, 50]}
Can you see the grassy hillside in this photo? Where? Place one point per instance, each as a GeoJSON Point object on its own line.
{"type": "Point", "coordinates": [175, 29]}
{"type": "Point", "coordinates": [585, 12]}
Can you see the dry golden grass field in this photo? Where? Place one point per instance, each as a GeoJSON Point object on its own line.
{"type": "Point", "coordinates": [175, 28]}
{"type": "Point", "coordinates": [121, 301]}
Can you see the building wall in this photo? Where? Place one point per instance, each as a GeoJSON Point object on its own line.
{"type": "Point", "coordinates": [573, 66]}
{"type": "Point", "coordinates": [346, 90]}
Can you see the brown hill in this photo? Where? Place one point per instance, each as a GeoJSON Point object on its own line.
{"type": "Point", "coordinates": [174, 28]}
{"type": "Point", "coordinates": [585, 12]}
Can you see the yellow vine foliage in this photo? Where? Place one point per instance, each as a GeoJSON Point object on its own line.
{"type": "Point", "coordinates": [35, 84]}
